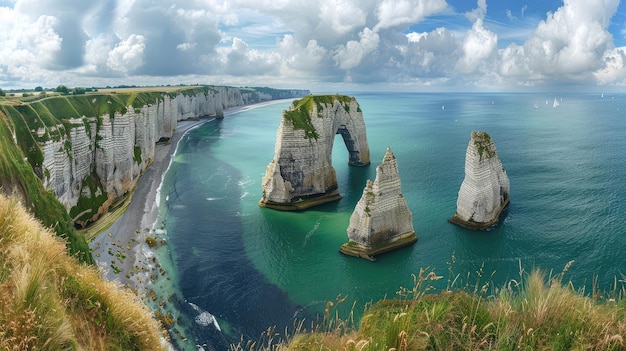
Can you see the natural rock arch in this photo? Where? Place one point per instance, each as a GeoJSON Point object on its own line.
{"type": "Point", "coordinates": [301, 174]}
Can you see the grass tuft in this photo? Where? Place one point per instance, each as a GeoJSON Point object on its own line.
{"type": "Point", "coordinates": [535, 312]}
{"type": "Point", "coordinates": [49, 301]}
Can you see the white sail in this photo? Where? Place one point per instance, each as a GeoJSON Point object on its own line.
{"type": "Point", "coordinates": [555, 104]}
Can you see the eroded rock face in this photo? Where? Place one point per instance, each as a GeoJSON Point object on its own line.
{"type": "Point", "coordinates": [104, 156]}
{"type": "Point", "coordinates": [301, 174]}
{"type": "Point", "coordinates": [381, 220]}
{"type": "Point", "coordinates": [484, 192]}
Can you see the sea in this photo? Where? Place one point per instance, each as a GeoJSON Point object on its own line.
{"type": "Point", "coordinates": [238, 273]}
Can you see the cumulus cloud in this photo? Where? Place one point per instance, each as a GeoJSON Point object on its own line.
{"type": "Point", "coordinates": [357, 41]}
{"type": "Point", "coordinates": [432, 54]}
{"type": "Point", "coordinates": [478, 13]}
{"type": "Point", "coordinates": [479, 43]}
{"type": "Point", "coordinates": [614, 67]}
{"type": "Point", "coordinates": [569, 45]}
{"type": "Point", "coordinates": [241, 60]}
{"type": "Point", "coordinates": [27, 44]}
{"type": "Point", "coordinates": [127, 56]}
{"type": "Point", "coordinates": [341, 16]}
{"type": "Point", "coordinates": [350, 55]}
{"type": "Point", "coordinates": [392, 13]}
{"type": "Point", "coordinates": [301, 59]}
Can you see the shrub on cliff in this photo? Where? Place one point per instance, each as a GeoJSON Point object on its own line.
{"type": "Point", "coordinates": [48, 301]}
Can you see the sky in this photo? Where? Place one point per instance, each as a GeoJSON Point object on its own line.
{"type": "Point", "coordinates": [332, 45]}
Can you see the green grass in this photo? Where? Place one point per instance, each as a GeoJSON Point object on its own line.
{"type": "Point", "coordinates": [483, 142]}
{"type": "Point", "coordinates": [18, 177]}
{"type": "Point", "coordinates": [88, 206]}
{"type": "Point", "coordinates": [300, 115]}
{"type": "Point", "coordinates": [535, 312]}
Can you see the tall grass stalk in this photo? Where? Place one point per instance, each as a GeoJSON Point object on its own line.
{"type": "Point", "coordinates": [536, 311]}
{"type": "Point", "coordinates": [48, 301]}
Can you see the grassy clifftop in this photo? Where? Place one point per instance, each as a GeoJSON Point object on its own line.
{"type": "Point", "coordinates": [48, 301]}
{"type": "Point", "coordinates": [535, 313]}
{"type": "Point", "coordinates": [300, 114]}
{"type": "Point", "coordinates": [21, 159]}
{"type": "Point", "coordinates": [18, 178]}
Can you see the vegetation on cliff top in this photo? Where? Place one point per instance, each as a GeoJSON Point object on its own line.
{"type": "Point", "coordinates": [300, 114]}
{"type": "Point", "coordinates": [18, 178]}
{"type": "Point", "coordinates": [535, 312]}
{"type": "Point", "coordinates": [484, 144]}
{"type": "Point", "coordinates": [24, 125]}
{"type": "Point", "coordinates": [48, 301]}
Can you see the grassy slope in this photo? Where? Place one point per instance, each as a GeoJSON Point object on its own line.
{"type": "Point", "coordinates": [534, 314]}
{"type": "Point", "coordinates": [21, 158]}
{"type": "Point", "coordinates": [48, 301]}
{"type": "Point", "coordinates": [17, 178]}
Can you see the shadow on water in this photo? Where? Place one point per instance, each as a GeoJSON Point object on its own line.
{"type": "Point", "coordinates": [215, 275]}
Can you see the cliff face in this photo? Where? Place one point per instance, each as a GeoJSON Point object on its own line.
{"type": "Point", "coordinates": [484, 192]}
{"type": "Point", "coordinates": [96, 158]}
{"type": "Point", "coordinates": [381, 220]}
{"type": "Point", "coordinates": [301, 174]}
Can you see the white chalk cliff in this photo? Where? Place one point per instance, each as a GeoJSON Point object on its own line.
{"type": "Point", "coordinates": [104, 155]}
{"type": "Point", "coordinates": [484, 192]}
{"type": "Point", "coordinates": [301, 173]}
{"type": "Point", "coordinates": [381, 220]}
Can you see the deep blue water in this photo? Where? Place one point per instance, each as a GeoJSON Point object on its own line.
{"type": "Point", "coordinates": [253, 267]}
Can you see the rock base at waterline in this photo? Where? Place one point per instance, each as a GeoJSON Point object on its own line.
{"type": "Point", "coordinates": [476, 225]}
{"type": "Point", "coordinates": [301, 204]}
{"type": "Point", "coordinates": [369, 252]}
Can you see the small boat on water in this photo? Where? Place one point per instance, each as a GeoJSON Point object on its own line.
{"type": "Point", "coordinates": [555, 104]}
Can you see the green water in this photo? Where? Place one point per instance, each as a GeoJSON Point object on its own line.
{"type": "Point", "coordinates": [253, 267]}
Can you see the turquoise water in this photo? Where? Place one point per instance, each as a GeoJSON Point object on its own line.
{"type": "Point", "coordinates": [253, 267]}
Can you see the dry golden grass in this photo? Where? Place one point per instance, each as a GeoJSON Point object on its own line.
{"type": "Point", "coordinates": [536, 313]}
{"type": "Point", "coordinates": [48, 301]}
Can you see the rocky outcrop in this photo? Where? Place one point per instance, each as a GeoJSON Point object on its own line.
{"type": "Point", "coordinates": [99, 157]}
{"type": "Point", "coordinates": [301, 174]}
{"type": "Point", "coordinates": [484, 192]}
{"type": "Point", "coordinates": [381, 220]}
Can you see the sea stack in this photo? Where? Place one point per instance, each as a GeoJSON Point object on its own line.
{"type": "Point", "coordinates": [301, 174]}
{"type": "Point", "coordinates": [381, 220]}
{"type": "Point", "coordinates": [484, 192]}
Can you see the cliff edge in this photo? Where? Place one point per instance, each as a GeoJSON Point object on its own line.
{"type": "Point", "coordinates": [381, 220]}
{"type": "Point", "coordinates": [301, 174]}
{"type": "Point", "coordinates": [484, 192]}
{"type": "Point", "coordinates": [91, 149]}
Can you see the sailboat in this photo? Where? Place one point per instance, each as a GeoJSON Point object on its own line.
{"type": "Point", "coordinates": [555, 104]}
{"type": "Point", "coordinates": [536, 106]}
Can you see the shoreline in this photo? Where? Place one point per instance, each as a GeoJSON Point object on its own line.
{"type": "Point", "coordinates": [120, 250]}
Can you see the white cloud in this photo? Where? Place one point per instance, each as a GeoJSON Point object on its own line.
{"type": "Point", "coordinates": [358, 41]}
{"type": "Point", "coordinates": [301, 59]}
{"type": "Point", "coordinates": [614, 68]}
{"type": "Point", "coordinates": [392, 13]}
{"type": "Point", "coordinates": [571, 42]}
{"type": "Point", "coordinates": [186, 46]}
{"type": "Point", "coordinates": [127, 56]}
{"type": "Point", "coordinates": [350, 55]}
{"type": "Point", "coordinates": [477, 13]}
{"type": "Point", "coordinates": [241, 60]}
{"type": "Point", "coordinates": [342, 16]}
{"type": "Point", "coordinates": [478, 45]}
